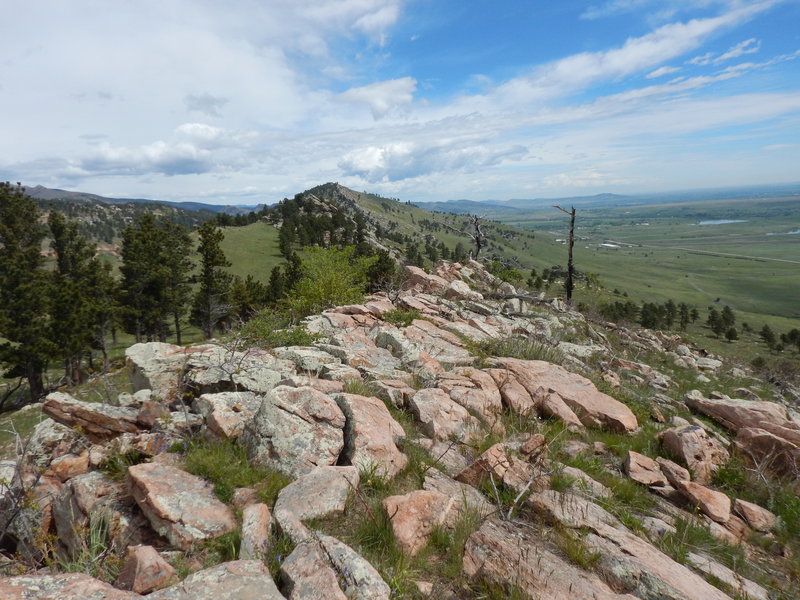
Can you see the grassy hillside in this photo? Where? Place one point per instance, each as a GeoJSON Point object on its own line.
{"type": "Point", "coordinates": [252, 250]}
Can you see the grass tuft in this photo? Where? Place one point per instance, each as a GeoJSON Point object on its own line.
{"type": "Point", "coordinates": [226, 466]}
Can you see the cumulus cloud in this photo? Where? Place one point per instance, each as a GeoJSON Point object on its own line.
{"type": "Point", "coordinates": [404, 160]}
{"type": "Point", "coordinates": [382, 97]}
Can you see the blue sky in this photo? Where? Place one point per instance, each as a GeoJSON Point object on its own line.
{"type": "Point", "coordinates": [249, 101]}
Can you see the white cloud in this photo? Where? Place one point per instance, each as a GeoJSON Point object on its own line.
{"type": "Point", "coordinates": [750, 46]}
{"type": "Point", "coordinates": [383, 97]}
{"type": "Point", "coordinates": [661, 71]}
{"type": "Point", "coordinates": [408, 160]}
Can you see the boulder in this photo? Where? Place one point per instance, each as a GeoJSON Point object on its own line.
{"type": "Point", "coordinates": [502, 552]}
{"type": "Point", "coordinates": [226, 413]}
{"type": "Point", "coordinates": [98, 422]}
{"type": "Point", "coordinates": [446, 455]}
{"type": "Point", "coordinates": [180, 506]}
{"type": "Point", "coordinates": [441, 418]}
{"type": "Point", "coordinates": [95, 499]}
{"type": "Point", "coordinates": [712, 503]}
{"type": "Point", "coordinates": [465, 497]}
{"type": "Point", "coordinates": [156, 366]}
{"type": "Point", "coordinates": [592, 407]}
{"type": "Point", "coordinates": [512, 393]}
{"type": "Point", "coordinates": [64, 586]}
{"type": "Point", "coordinates": [765, 449]}
{"type": "Point", "coordinates": [50, 440]}
{"type": "Point", "coordinates": [308, 359]}
{"type": "Point", "coordinates": [371, 435]}
{"type": "Point", "coordinates": [757, 517]}
{"type": "Point", "coordinates": [503, 464]}
{"type": "Point", "coordinates": [214, 369]}
{"type": "Point", "coordinates": [416, 277]}
{"type": "Point", "coordinates": [319, 493]}
{"type": "Point", "coordinates": [643, 469]}
{"type": "Point", "coordinates": [414, 515]}
{"type": "Point", "coordinates": [256, 520]}
{"type": "Point", "coordinates": [144, 570]}
{"type": "Point", "coordinates": [699, 451]}
{"type": "Point", "coordinates": [295, 430]}
{"type": "Point", "coordinates": [327, 568]}
{"type": "Point", "coordinates": [735, 414]}
{"type": "Point", "coordinates": [236, 580]}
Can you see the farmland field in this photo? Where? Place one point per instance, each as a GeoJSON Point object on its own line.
{"type": "Point", "coordinates": [744, 252]}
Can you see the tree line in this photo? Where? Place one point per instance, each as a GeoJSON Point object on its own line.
{"type": "Point", "coordinates": [69, 309]}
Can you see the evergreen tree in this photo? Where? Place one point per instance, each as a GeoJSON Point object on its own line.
{"type": "Point", "coordinates": [73, 295]}
{"type": "Point", "coordinates": [684, 316]}
{"type": "Point", "coordinates": [144, 289]}
{"type": "Point", "coordinates": [731, 334]}
{"type": "Point", "coordinates": [211, 305]}
{"type": "Point", "coordinates": [24, 291]}
{"type": "Point", "coordinates": [179, 265]}
{"type": "Point", "coordinates": [768, 336]}
{"type": "Point", "coordinates": [728, 318]}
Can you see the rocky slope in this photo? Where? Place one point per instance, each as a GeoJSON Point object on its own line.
{"type": "Point", "coordinates": [427, 445]}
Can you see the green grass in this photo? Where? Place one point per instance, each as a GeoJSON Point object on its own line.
{"type": "Point", "coordinates": [226, 466]}
{"type": "Point", "coordinates": [515, 346]}
{"type": "Point", "coordinates": [252, 250]}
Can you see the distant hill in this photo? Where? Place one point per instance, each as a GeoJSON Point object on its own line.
{"type": "Point", "coordinates": [53, 194]}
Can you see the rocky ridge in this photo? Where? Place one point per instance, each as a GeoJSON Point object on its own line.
{"type": "Point", "coordinates": [405, 391]}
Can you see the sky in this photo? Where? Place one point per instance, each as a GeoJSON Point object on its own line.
{"type": "Point", "coordinates": [248, 101]}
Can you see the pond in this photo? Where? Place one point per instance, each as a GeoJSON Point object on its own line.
{"type": "Point", "coordinates": [721, 221]}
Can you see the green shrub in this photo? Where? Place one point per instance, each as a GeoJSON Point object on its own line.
{"type": "Point", "coordinates": [331, 277]}
{"type": "Point", "coordinates": [269, 329]}
{"type": "Point", "coordinates": [401, 317]}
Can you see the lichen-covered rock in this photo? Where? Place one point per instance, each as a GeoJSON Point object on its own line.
{"type": "Point", "coordinates": [236, 580]}
{"type": "Point", "coordinates": [256, 520]}
{"type": "Point", "coordinates": [504, 553]}
{"type": "Point", "coordinates": [180, 506]}
{"type": "Point", "coordinates": [64, 586]}
{"type": "Point", "coordinates": [326, 568]}
{"type": "Point", "coordinates": [97, 421]}
{"type": "Point", "coordinates": [144, 570]}
{"type": "Point", "coordinates": [226, 413]}
{"type": "Point", "coordinates": [319, 493]}
{"type": "Point", "coordinates": [441, 418]}
{"type": "Point", "coordinates": [591, 406]}
{"type": "Point", "coordinates": [295, 430]}
{"type": "Point", "coordinates": [50, 440]}
{"type": "Point", "coordinates": [414, 515]}
{"type": "Point", "coordinates": [699, 451]}
{"type": "Point", "coordinates": [371, 435]}
{"type": "Point", "coordinates": [155, 366]}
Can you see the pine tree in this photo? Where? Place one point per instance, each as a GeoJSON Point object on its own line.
{"type": "Point", "coordinates": [211, 305]}
{"type": "Point", "coordinates": [144, 290]}
{"type": "Point", "coordinates": [177, 260]}
{"type": "Point", "coordinates": [72, 297]}
{"type": "Point", "coordinates": [24, 291]}
{"type": "Point", "coordinates": [768, 336]}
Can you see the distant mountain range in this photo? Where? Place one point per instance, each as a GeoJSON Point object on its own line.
{"type": "Point", "coordinates": [500, 208]}
{"type": "Point", "coordinates": [51, 194]}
